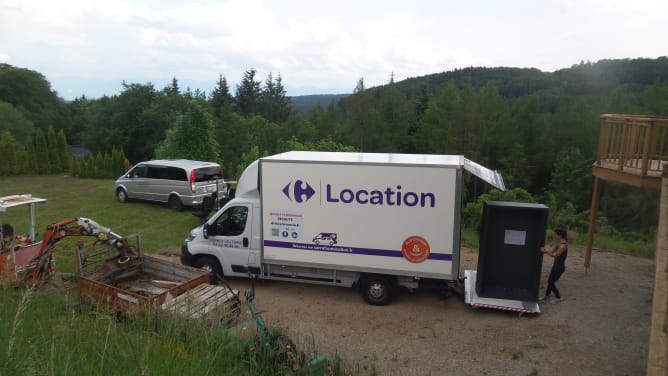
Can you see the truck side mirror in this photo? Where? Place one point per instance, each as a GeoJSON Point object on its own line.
{"type": "Point", "coordinates": [205, 231]}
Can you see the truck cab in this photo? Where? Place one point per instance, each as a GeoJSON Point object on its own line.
{"type": "Point", "coordinates": [229, 242]}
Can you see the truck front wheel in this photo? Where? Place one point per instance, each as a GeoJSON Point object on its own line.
{"type": "Point", "coordinates": [377, 290]}
{"type": "Point", "coordinates": [211, 265]}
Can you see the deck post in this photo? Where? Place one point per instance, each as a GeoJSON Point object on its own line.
{"type": "Point", "coordinates": [592, 221]}
{"type": "Point", "coordinates": [658, 350]}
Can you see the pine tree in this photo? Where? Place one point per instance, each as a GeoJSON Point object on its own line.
{"type": "Point", "coordinates": [29, 160]}
{"type": "Point", "coordinates": [221, 98]}
{"type": "Point", "coordinates": [361, 115]}
{"type": "Point", "coordinates": [247, 99]}
{"type": "Point", "coordinates": [174, 87]}
{"type": "Point", "coordinates": [53, 150]}
{"type": "Point", "coordinates": [63, 151]}
{"type": "Point", "coordinates": [8, 151]}
{"type": "Point", "coordinates": [275, 104]}
{"type": "Point", "coordinates": [42, 153]}
{"type": "Point", "coordinates": [394, 112]}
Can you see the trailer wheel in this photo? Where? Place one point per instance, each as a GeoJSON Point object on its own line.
{"type": "Point", "coordinates": [175, 203]}
{"type": "Point", "coordinates": [377, 290]}
{"type": "Point", "coordinates": [211, 265]}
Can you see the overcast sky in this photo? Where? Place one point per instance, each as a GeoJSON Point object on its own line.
{"type": "Point", "coordinates": [87, 47]}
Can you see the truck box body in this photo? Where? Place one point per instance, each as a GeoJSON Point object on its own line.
{"type": "Point", "coordinates": [391, 213]}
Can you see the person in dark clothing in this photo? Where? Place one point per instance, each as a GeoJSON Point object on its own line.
{"type": "Point", "coordinates": [559, 252]}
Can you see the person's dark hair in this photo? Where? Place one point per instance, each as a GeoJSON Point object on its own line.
{"type": "Point", "coordinates": [560, 232]}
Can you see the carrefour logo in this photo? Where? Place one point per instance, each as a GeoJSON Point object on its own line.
{"type": "Point", "coordinates": [300, 191]}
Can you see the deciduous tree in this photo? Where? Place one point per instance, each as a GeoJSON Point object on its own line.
{"type": "Point", "coordinates": [191, 137]}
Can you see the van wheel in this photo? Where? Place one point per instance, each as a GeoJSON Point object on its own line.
{"type": "Point", "coordinates": [211, 265]}
{"type": "Point", "coordinates": [121, 195]}
{"type": "Point", "coordinates": [376, 290]}
{"type": "Point", "coordinates": [175, 203]}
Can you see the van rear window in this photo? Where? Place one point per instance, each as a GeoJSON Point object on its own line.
{"type": "Point", "coordinates": [208, 173]}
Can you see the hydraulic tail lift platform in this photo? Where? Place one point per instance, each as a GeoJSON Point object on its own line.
{"type": "Point", "coordinates": [472, 298]}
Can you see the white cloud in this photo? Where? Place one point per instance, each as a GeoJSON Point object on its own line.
{"type": "Point", "coordinates": [316, 43]}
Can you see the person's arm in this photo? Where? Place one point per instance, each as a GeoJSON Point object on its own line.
{"type": "Point", "coordinates": [556, 251]}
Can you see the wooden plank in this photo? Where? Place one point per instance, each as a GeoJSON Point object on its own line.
{"type": "Point", "coordinates": [657, 361]}
{"type": "Point", "coordinates": [202, 300]}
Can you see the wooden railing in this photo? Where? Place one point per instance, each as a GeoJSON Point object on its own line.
{"type": "Point", "coordinates": [633, 144]}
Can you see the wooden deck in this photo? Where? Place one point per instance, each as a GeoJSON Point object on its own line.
{"type": "Point", "coordinates": [633, 150]}
{"type": "Point", "coordinates": [631, 172]}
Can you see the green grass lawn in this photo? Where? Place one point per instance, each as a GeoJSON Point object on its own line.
{"type": "Point", "coordinates": [68, 197]}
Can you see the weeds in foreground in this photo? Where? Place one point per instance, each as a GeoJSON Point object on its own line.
{"type": "Point", "coordinates": [52, 334]}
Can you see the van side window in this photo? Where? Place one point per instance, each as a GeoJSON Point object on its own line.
{"type": "Point", "coordinates": [138, 172]}
{"type": "Point", "coordinates": [232, 222]}
{"type": "Point", "coordinates": [175, 173]}
{"type": "Point", "coordinates": [157, 172]}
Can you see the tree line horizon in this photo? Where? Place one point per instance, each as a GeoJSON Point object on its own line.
{"type": "Point", "coordinates": [540, 130]}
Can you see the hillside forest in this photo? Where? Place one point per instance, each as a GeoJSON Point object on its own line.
{"type": "Point", "coordinates": [539, 129]}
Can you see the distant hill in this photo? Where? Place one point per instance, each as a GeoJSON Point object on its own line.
{"type": "Point", "coordinates": [586, 78]}
{"type": "Point", "coordinates": [304, 103]}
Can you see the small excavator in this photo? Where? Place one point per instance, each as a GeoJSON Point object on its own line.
{"type": "Point", "coordinates": [32, 264]}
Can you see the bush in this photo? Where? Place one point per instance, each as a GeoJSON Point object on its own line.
{"type": "Point", "coordinates": [473, 210]}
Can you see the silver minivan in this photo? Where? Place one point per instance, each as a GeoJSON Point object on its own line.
{"type": "Point", "coordinates": [177, 182]}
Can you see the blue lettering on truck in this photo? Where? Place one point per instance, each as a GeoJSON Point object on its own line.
{"type": "Point", "coordinates": [301, 191]}
{"type": "Point", "coordinates": [387, 197]}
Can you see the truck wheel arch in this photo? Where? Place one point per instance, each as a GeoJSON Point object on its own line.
{"type": "Point", "coordinates": [210, 264]}
{"type": "Point", "coordinates": [377, 289]}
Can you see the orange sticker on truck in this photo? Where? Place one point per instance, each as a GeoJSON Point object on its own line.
{"type": "Point", "coordinates": [415, 249]}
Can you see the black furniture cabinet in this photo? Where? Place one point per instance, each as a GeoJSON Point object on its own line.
{"type": "Point", "coordinates": [510, 261]}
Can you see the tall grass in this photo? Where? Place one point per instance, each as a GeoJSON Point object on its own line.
{"type": "Point", "coordinates": [51, 335]}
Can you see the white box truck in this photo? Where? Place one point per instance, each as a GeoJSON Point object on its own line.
{"type": "Point", "coordinates": [377, 221]}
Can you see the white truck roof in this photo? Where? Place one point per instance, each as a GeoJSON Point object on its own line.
{"type": "Point", "coordinates": [369, 158]}
{"type": "Point", "coordinates": [456, 161]}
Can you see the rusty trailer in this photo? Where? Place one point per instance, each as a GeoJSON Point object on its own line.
{"type": "Point", "coordinates": [140, 285]}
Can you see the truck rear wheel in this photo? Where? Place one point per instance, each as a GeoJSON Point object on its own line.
{"type": "Point", "coordinates": [377, 290]}
{"type": "Point", "coordinates": [211, 265]}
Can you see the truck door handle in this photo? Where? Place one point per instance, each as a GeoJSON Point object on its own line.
{"type": "Point", "coordinates": [245, 242]}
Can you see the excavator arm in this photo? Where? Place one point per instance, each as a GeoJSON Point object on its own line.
{"type": "Point", "coordinates": [73, 227]}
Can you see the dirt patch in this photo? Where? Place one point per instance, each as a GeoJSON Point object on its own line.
{"type": "Point", "coordinates": [600, 328]}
